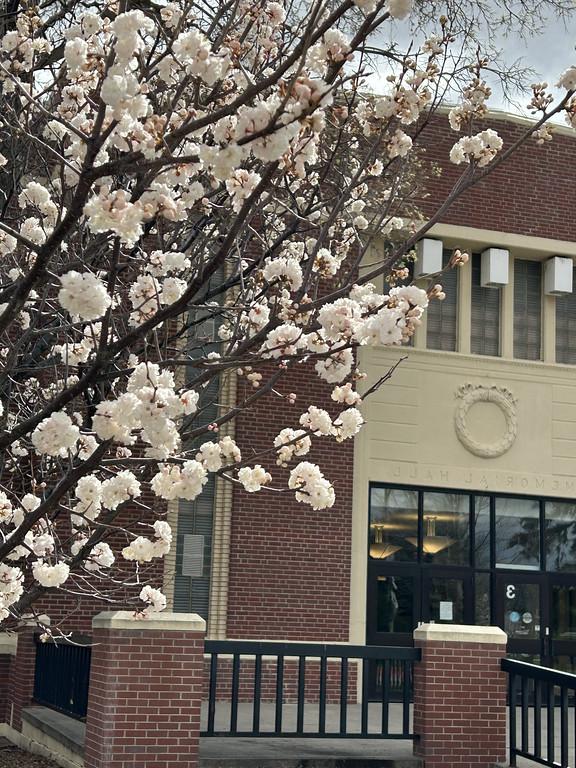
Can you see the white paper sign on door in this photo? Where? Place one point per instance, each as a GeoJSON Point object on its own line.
{"type": "Point", "coordinates": [446, 611]}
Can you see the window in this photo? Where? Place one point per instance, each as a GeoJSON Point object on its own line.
{"type": "Point", "coordinates": [446, 518]}
{"type": "Point", "coordinates": [566, 328]}
{"type": "Point", "coordinates": [560, 536]}
{"type": "Point", "coordinates": [393, 524]}
{"type": "Point", "coordinates": [442, 315]}
{"type": "Point", "coordinates": [527, 309]}
{"type": "Point", "coordinates": [485, 314]}
{"type": "Point", "coordinates": [517, 533]}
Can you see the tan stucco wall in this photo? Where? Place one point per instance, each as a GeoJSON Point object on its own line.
{"type": "Point", "coordinates": [410, 436]}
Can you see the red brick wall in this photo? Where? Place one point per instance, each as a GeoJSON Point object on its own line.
{"type": "Point", "coordinates": [532, 193]}
{"type": "Point", "coordinates": [289, 564]}
{"type": "Point", "coordinates": [5, 660]}
{"type": "Point", "coordinates": [21, 678]}
{"type": "Point", "coordinates": [146, 690]}
{"type": "Point", "coordinates": [460, 704]}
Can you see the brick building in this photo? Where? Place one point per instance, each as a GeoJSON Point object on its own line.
{"type": "Point", "coordinates": [455, 503]}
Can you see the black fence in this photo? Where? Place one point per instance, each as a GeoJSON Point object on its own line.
{"type": "Point", "coordinates": [306, 690]}
{"type": "Point", "coordinates": [542, 706]}
{"type": "Point", "coordinates": [62, 675]}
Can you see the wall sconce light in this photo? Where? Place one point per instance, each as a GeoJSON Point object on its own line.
{"type": "Point", "coordinates": [558, 273]}
{"type": "Point", "coordinates": [494, 268]}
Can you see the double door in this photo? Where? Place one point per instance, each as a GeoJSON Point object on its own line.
{"type": "Point", "coordinates": [399, 599]}
{"type": "Point", "coordinates": [536, 610]}
{"type": "Point", "coordinates": [538, 613]}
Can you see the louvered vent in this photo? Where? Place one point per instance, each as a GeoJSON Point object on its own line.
{"type": "Point", "coordinates": [527, 309]}
{"type": "Point", "coordinates": [193, 555]}
{"type": "Point", "coordinates": [442, 315]}
{"type": "Point", "coordinates": [485, 314]}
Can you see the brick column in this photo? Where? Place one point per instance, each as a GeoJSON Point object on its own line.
{"type": "Point", "coordinates": [8, 646]}
{"type": "Point", "coordinates": [146, 690]}
{"type": "Point", "coordinates": [460, 696]}
{"type": "Point", "coordinates": [21, 676]}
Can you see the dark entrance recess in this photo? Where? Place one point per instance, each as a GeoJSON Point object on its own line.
{"type": "Point", "coordinates": [452, 557]}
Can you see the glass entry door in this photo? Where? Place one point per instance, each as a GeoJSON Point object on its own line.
{"type": "Point", "coordinates": [521, 610]}
{"type": "Point", "coordinates": [393, 610]}
{"type": "Point", "coordinates": [447, 597]}
{"type": "Point", "coordinates": [561, 641]}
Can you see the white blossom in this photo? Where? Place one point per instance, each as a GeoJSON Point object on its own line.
{"type": "Point", "coordinates": [253, 478]}
{"type": "Point", "coordinates": [50, 575]}
{"type": "Point", "coordinates": [55, 435]}
{"type": "Point", "coordinates": [83, 295]}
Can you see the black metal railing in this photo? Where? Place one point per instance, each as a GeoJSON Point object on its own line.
{"type": "Point", "coordinates": [62, 675]}
{"type": "Point", "coordinates": [307, 690]}
{"type": "Point", "coordinates": [542, 716]}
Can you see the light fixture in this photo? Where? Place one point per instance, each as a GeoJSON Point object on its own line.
{"type": "Point", "coordinates": [432, 544]}
{"type": "Point", "coordinates": [380, 550]}
{"type": "Point", "coordinates": [558, 276]}
{"type": "Point", "coordinates": [494, 267]}
{"type": "Point", "coordinates": [429, 257]}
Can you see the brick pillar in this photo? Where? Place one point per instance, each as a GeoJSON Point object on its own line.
{"type": "Point", "coordinates": [8, 646]}
{"type": "Point", "coordinates": [146, 690]}
{"type": "Point", "coordinates": [21, 676]}
{"type": "Point", "coordinates": [460, 696]}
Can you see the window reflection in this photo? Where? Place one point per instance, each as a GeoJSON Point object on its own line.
{"type": "Point", "coordinates": [563, 612]}
{"type": "Point", "coordinates": [560, 536]}
{"type": "Point", "coordinates": [482, 600]}
{"type": "Point", "coordinates": [517, 533]}
{"type": "Point", "coordinates": [395, 604]}
{"type": "Point", "coordinates": [393, 524]}
{"type": "Point", "coordinates": [482, 532]}
{"type": "Point", "coordinates": [446, 519]}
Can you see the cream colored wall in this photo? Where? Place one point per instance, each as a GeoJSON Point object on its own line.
{"type": "Point", "coordinates": [410, 436]}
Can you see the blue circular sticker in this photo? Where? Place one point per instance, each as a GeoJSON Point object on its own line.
{"type": "Point", "coordinates": [514, 617]}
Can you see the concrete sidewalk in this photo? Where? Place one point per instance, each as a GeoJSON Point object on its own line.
{"type": "Point", "coordinates": [287, 752]}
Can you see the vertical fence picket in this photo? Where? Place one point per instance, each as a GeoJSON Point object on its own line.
{"type": "Point", "coordinates": [343, 694]}
{"type": "Point", "coordinates": [279, 694]}
{"type": "Point", "coordinates": [257, 693]}
{"type": "Point", "coordinates": [301, 695]}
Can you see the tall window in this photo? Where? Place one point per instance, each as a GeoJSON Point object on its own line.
{"type": "Point", "coordinates": [443, 315]}
{"type": "Point", "coordinates": [527, 309]}
{"type": "Point", "coordinates": [566, 328]}
{"type": "Point", "coordinates": [485, 311]}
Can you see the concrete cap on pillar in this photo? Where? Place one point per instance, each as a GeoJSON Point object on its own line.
{"type": "Point", "coordinates": [8, 644]}
{"type": "Point", "coordinates": [165, 621]}
{"type": "Point", "coordinates": [460, 633]}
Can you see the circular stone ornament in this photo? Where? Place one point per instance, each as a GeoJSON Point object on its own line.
{"type": "Point", "coordinates": [470, 394]}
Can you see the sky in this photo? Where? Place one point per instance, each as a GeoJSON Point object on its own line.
{"type": "Point", "coordinates": [549, 52]}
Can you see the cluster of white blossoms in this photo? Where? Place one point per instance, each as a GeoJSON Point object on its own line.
{"type": "Point", "coordinates": [148, 410]}
{"type": "Point", "coordinates": [311, 486]}
{"type": "Point", "coordinates": [253, 478]}
{"type": "Point", "coordinates": [84, 295]}
{"type": "Point", "coordinates": [144, 550]}
{"type": "Point", "coordinates": [50, 575]}
{"type": "Point", "coordinates": [11, 588]}
{"type": "Point", "coordinates": [568, 81]}
{"type": "Point", "coordinates": [56, 435]}
{"type": "Point", "coordinates": [473, 105]}
{"type": "Point", "coordinates": [481, 148]}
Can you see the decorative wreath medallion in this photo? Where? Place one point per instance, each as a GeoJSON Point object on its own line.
{"type": "Point", "coordinates": [468, 395]}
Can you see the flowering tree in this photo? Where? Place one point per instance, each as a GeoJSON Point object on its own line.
{"type": "Point", "coordinates": [189, 193]}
